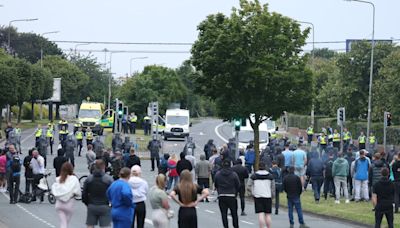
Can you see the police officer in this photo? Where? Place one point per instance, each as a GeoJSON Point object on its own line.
{"type": "Point", "coordinates": [69, 149]}
{"type": "Point", "coordinates": [346, 139]}
{"type": "Point", "coordinates": [89, 136]}
{"type": "Point", "coordinates": [372, 143]}
{"type": "Point", "coordinates": [310, 134]}
{"type": "Point", "coordinates": [323, 141]}
{"type": "Point", "coordinates": [76, 127]}
{"type": "Point", "coordinates": [62, 123]}
{"type": "Point", "coordinates": [38, 133]}
{"type": "Point", "coordinates": [18, 132]}
{"type": "Point", "coordinates": [79, 139]}
{"type": "Point", "coordinates": [146, 125]}
{"type": "Point", "coordinates": [361, 141]}
{"type": "Point", "coordinates": [132, 123]}
{"type": "Point", "coordinates": [336, 139]}
{"type": "Point", "coordinates": [50, 138]}
{"type": "Point", "coordinates": [63, 135]}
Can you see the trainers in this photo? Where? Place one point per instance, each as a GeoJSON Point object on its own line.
{"type": "Point", "coordinates": [276, 212]}
{"type": "Point", "coordinates": [337, 201]}
{"type": "Point", "coordinates": [347, 201]}
{"type": "Point", "coordinates": [243, 213]}
{"type": "Point", "coordinates": [304, 226]}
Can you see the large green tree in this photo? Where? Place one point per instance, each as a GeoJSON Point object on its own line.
{"type": "Point", "coordinates": [8, 80]}
{"type": "Point", "coordinates": [24, 85]}
{"type": "Point", "coordinates": [42, 85]}
{"type": "Point", "coordinates": [250, 63]}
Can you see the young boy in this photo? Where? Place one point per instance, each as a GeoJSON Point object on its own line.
{"type": "Point", "coordinates": [277, 173]}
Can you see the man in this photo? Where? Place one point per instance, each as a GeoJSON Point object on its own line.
{"type": "Point", "coordinates": [382, 199]}
{"type": "Point", "coordinates": [310, 134]}
{"type": "Point", "coordinates": [63, 133]}
{"type": "Point", "coordinates": [243, 174]}
{"type": "Point", "coordinates": [117, 163]}
{"type": "Point", "coordinates": [125, 123]}
{"type": "Point", "coordinates": [90, 157]}
{"type": "Point", "coordinates": [329, 184]}
{"type": "Point", "coordinates": [8, 129]}
{"type": "Point", "coordinates": [336, 139]}
{"type": "Point", "coordinates": [132, 123]}
{"type": "Point", "coordinates": [250, 158]}
{"type": "Point", "coordinates": [346, 139]}
{"type": "Point", "coordinates": [127, 145]}
{"type": "Point", "coordinates": [59, 161]}
{"type": "Point", "coordinates": [14, 164]}
{"type": "Point", "coordinates": [377, 165]}
{"type": "Point", "coordinates": [79, 139]}
{"type": "Point", "coordinates": [300, 160]}
{"type": "Point", "coordinates": [95, 198]}
{"type": "Point", "coordinates": [396, 175]}
{"type": "Point", "coordinates": [293, 188]}
{"type": "Point", "coordinates": [189, 146]}
{"type": "Point", "coordinates": [89, 136]}
{"type": "Point", "coordinates": [227, 184]}
{"type": "Point", "coordinates": [38, 169]}
{"type": "Point", "coordinates": [183, 164]}
{"type": "Point", "coordinates": [28, 172]}
{"type": "Point", "coordinates": [38, 133]}
{"type": "Point", "coordinates": [69, 149]}
{"type": "Point", "coordinates": [361, 167]}
{"type": "Point", "coordinates": [154, 148]}
{"type": "Point", "coordinates": [276, 171]}
{"type": "Point", "coordinates": [322, 141]}
{"type": "Point", "coordinates": [147, 125]}
{"type": "Point", "coordinates": [50, 138]}
{"type": "Point", "coordinates": [18, 131]}
{"type": "Point", "coordinates": [361, 141]}
{"type": "Point", "coordinates": [98, 147]}
{"type": "Point", "coordinates": [132, 159]}
{"type": "Point", "coordinates": [315, 170]}
{"type": "Point", "coordinates": [117, 142]}
{"type": "Point", "coordinates": [203, 171]}
{"type": "Point", "coordinates": [372, 142]}
{"type": "Point", "coordinates": [42, 148]}
{"type": "Point", "coordinates": [208, 148]}
{"type": "Point", "coordinates": [288, 155]}
{"type": "Point", "coordinates": [190, 157]}
{"type": "Point", "coordinates": [340, 171]}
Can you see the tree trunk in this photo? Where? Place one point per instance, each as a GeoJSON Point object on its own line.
{"type": "Point", "coordinates": [255, 126]}
{"type": "Point", "coordinates": [33, 111]}
{"type": "Point", "coordinates": [19, 112]}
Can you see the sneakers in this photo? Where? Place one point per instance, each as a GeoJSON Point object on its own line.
{"type": "Point", "coordinates": [347, 201]}
{"type": "Point", "coordinates": [243, 213]}
{"type": "Point", "coordinates": [276, 212]}
{"type": "Point", "coordinates": [337, 201]}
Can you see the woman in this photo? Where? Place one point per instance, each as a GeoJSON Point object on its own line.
{"type": "Point", "coordinates": [187, 199]}
{"type": "Point", "coordinates": [65, 189]}
{"type": "Point", "coordinates": [139, 191]}
{"type": "Point", "coordinates": [172, 173]}
{"type": "Point", "coordinates": [159, 202]}
{"type": "Point", "coordinates": [3, 169]}
{"type": "Point", "coordinates": [120, 196]}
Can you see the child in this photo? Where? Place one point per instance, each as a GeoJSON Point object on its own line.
{"type": "Point", "coordinates": [277, 173]}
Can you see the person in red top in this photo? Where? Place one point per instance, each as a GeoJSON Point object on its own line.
{"type": "Point", "coordinates": [173, 175]}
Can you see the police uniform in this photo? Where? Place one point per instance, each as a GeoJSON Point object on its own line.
{"type": "Point", "coordinates": [38, 133]}
{"type": "Point", "coordinates": [361, 142]}
{"type": "Point", "coordinates": [132, 125]}
{"type": "Point", "coordinates": [50, 138]}
{"type": "Point", "coordinates": [346, 139]}
{"type": "Point", "coordinates": [310, 133]}
{"type": "Point", "coordinates": [372, 143]}
{"type": "Point", "coordinates": [79, 138]}
{"type": "Point", "coordinates": [147, 125]}
{"type": "Point", "coordinates": [336, 140]}
{"type": "Point", "coordinates": [89, 138]}
{"type": "Point", "coordinates": [63, 136]}
{"type": "Point", "coordinates": [322, 143]}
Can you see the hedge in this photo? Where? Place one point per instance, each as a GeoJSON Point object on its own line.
{"type": "Point", "coordinates": [355, 127]}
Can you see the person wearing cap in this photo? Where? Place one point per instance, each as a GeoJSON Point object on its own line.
{"type": "Point", "coordinates": [227, 184]}
{"type": "Point", "coordinates": [140, 189]}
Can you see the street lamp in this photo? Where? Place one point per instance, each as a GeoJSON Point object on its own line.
{"type": "Point", "coordinates": [130, 63]}
{"type": "Point", "coordinates": [313, 35]}
{"type": "Point", "coordinates": [9, 28]}
{"type": "Point", "coordinates": [77, 45]}
{"type": "Point", "coordinates": [372, 63]}
{"type": "Point", "coordinates": [41, 47]}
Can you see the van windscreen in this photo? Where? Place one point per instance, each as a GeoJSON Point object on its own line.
{"type": "Point", "coordinates": [178, 120]}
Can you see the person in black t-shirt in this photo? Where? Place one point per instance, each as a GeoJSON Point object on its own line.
{"type": "Point", "coordinates": [382, 199]}
{"type": "Point", "coordinates": [183, 164]}
{"type": "Point", "coordinates": [59, 161]}
{"type": "Point", "coordinates": [396, 174]}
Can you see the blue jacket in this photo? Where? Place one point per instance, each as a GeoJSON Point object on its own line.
{"type": "Point", "coordinates": [315, 167]}
{"type": "Point", "coordinates": [250, 157]}
{"type": "Point", "coordinates": [361, 169]}
{"type": "Point", "coordinates": [120, 196]}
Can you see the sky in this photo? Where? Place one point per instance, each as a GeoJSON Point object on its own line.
{"type": "Point", "coordinates": [175, 21]}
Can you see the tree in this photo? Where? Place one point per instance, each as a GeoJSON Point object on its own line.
{"type": "Point", "coordinates": [8, 81]}
{"type": "Point", "coordinates": [250, 63]}
{"type": "Point", "coordinates": [42, 86]}
{"type": "Point", "coordinates": [73, 80]}
{"type": "Point", "coordinates": [24, 85]}
{"type": "Point", "coordinates": [323, 53]}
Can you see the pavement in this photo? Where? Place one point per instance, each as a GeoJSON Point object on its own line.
{"type": "Point", "coordinates": [43, 214]}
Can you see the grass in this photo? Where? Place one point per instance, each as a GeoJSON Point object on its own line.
{"type": "Point", "coordinates": [358, 212]}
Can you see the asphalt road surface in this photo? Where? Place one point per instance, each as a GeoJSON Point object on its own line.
{"type": "Point", "coordinates": [35, 214]}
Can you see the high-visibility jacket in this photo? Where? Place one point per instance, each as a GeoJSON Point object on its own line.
{"type": "Point", "coordinates": [51, 126]}
{"type": "Point", "coordinates": [49, 133]}
{"type": "Point", "coordinates": [361, 139]}
{"type": "Point", "coordinates": [310, 131]}
{"type": "Point", "coordinates": [330, 136]}
{"type": "Point", "coordinates": [77, 125]}
{"type": "Point", "coordinates": [38, 133]}
{"type": "Point", "coordinates": [63, 132]}
{"type": "Point", "coordinates": [372, 139]}
{"type": "Point", "coordinates": [133, 119]}
{"type": "Point", "coordinates": [274, 136]}
{"type": "Point", "coordinates": [146, 118]}
{"type": "Point", "coordinates": [79, 135]}
{"type": "Point", "coordinates": [89, 135]}
{"type": "Point", "coordinates": [336, 137]}
{"type": "Point", "coordinates": [322, 140]}
{"type": "Point", "coordinates": [346, 136]}
{"type": "Point", "coordinates": [17, 131]}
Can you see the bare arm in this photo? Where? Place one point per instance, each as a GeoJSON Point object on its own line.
{"type": "Point", "coordinates": [175, 198]}
{"type": "Point", "coordinates": [374, 199]}
{"type": "Point", "coordinates": [165, 204]}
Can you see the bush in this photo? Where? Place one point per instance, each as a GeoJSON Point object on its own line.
{"type": "Point", "coordinates": [27, 111]}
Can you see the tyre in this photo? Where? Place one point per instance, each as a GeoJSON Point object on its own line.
{"type": "Point", "coordinates": [82, 180]}
{"type": "Point", "coordinates": [51, 198]}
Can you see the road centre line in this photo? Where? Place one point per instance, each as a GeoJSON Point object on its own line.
{"type": "Point", "coordinates": [211, 212]}
{"type": "Point", "coordinates": [218, 134]}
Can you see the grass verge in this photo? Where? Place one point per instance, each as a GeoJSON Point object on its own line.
{"type": "Point", "coordinates": [357, 212]}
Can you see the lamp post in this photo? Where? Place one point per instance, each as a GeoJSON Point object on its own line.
{"type": "Point", "coordinates": [372, 64]}
{"type": "Point", "coordinates": [41, 47]}
{"type": "Point", "coordinates": [9, 28]}
{"type": "Point", "coordinates": [77, 45]}
{"type": "Point", "coordinates": [130, 63]}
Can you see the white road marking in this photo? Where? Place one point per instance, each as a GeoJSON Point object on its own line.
{"type": "Point", "coordinates": [211, 212]}
{"type": "Point", "coordinates": [26, 138]}
{"type": "Point", "coordinates": [148, 221]}
{"type": "Point", "coordinates": [250, 223]}
{"type": "Point", "coordinates": [218, 134]}
{"type": "Point", "coordinates": [201, 133]}
{"type": "Point", "coordinates": [31, 214]}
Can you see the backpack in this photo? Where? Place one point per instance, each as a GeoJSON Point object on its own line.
{"type": "Point", "coordinates": [16, 164]}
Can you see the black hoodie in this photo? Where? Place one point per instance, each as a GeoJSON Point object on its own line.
{"type": "Point", "coordinates": [59, 161]}
{"type": "Point", "coordinates": [227, 182]}
{"type": "Point", "coordinates": [384, 189]}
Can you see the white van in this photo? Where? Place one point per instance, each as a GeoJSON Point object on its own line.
{"type": "Point", "coordinates": [246, 133]}
{"type": "Point", "coordinates": [177, 123]}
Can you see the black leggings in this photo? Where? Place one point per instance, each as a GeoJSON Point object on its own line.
{"type": "Point", "coordinates": [187, 217]}
{"type": "Point", "coordinates": [140, 214]}
{"type": "Point", "coordinates": [379, 215]}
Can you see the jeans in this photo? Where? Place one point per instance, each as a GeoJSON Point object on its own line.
{"type": "Point", "coordinates": [249, 167]}
{"type": "Point", "coordinates": [341, 182]}
{"type": "Point", "coordinates": [361, 187]}
{"type": "Point", "coordinates": [396, 196]}
{"type": "Point", "coordinates": [278, 187]}
{"type": "Point", "coordinates": [316, 183]}
{"type": "Point", "coordinates": [28, 184]}
{"type": "Point", "coordinates": [155, 159]}
{"type": "Point", "coordinates": [329, 186]}
{"type": "Point", "coordinates": [379, 217]}
{"type": "Point", "coordinates": [14, 187]}
{"type": "Point", "coordinates": [297, 204]}
{"type": "Point", "coordinates": [140, 215]}
{"type": "Point", "coordinates": [172, 179]}
{"type": "Point", "coordinates": [225, 203]}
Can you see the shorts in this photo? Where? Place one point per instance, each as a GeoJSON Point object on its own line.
{"type": "Point", "coordinates": [203, 182]}
{"type": "Point", "coordinates": [98, 214]}
{"type": "Point", "coordinates": [263, 205]}
{"type": "Point", "coordinates": [299, 171]}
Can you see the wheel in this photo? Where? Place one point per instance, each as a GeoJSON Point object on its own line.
{"type": "Point", "coordinates": [51, 198]}
{"type": "Point", "coordinates": [82, 180]}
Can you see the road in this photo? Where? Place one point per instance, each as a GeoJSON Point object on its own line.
{"type": "Point", "coordinates": [43, 214]}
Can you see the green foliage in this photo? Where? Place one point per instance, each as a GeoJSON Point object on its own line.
{"type": "Point", "coordinates": [7, 79]}
{"type": "Point", "coordinates": [73, 80]}
{"type": "Point", "coordinates": [323, 53]}
{"type": "Point", "coordinates": [155, 83]}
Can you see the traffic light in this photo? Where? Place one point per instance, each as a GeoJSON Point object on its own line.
{"type": "Point", "coordinates": [237, 122]}
{"type": "Point", "coordinates": [388, 119]}
{"type": "Point", "coordinates": [154, 109]}
{"type": "Point", "coordinates": [120, 109]}
{"type": "Point", "coordinates": [341, 116]}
